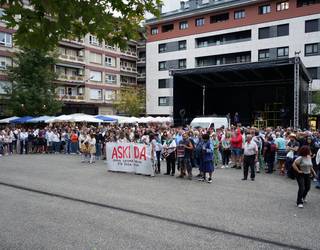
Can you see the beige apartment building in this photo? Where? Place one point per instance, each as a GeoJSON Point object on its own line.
{"type": "Point", "coordinates": [89, 73]}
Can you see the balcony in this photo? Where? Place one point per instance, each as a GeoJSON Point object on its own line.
{"type": "Point", "coordinates": [71, 58]}
{"type": "Point", "coordinates": [128, 69]}
{"type": "Point", "coordinates": [129, 53]}
{"type": "Point", "coordinates": [141, 75]}
{"type": "Point", "coordinates": [141, 60]}
{"type": "Point", "coordinates": [70, 78]}
{"type": "Point", "coordinates": [71, 98]}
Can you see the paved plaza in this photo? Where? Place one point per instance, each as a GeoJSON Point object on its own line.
{"type": "Point", "coordinates": [57, 202]}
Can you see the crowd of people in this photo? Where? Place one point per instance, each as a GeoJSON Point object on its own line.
{"type": "Point", "coordinates": [289, 152]}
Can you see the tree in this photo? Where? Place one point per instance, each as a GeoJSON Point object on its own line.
{"type": "Point", "coordinates": [316, 102]}
{"type": "Point", "coordinates": [130, 100]}
{"type": "Point", "coordinates": [32, 91]}
{"type": "Point", "coordinates": [44, 23]}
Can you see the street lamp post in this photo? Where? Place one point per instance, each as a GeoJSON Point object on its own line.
{"type": "Point", "coordinates": [203, 99]}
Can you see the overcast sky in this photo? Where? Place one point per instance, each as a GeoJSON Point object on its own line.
{"type": "Point", "coordinates": [169, 5]}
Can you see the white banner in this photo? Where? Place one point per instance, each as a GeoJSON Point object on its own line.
{"type": "Point", "coordinates": [129, 157]}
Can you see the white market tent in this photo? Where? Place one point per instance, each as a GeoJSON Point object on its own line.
{"type": "Point", "coordinates": [7, 120]}
{"type": "Point", "coordinates": [85, 118]}
{"type": "Point", "coordinates": [129, 120]}
{"type": "Point", "coordinates": [61, 118]}
{"type": "Point", "coordinates": [41, 119]}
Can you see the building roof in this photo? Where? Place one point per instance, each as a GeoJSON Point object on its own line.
{"type": "Point", "coordinates": [200, 9]}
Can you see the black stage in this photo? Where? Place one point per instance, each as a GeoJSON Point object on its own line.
{"type": "Point", "coordinates": [245, 88]}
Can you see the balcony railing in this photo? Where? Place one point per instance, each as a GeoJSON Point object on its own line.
{"type": "Point", "coordinates": [128, 69]}
{"type": "Point", "coordinates": [141, 75]}
{"type": "Point", "coordinates": [141, 60]}
{"type": "Point", "coordinates": [74, 98]}
{"type": "Point", "coordinates": [71, 58]}
{"type": "Point", "coordinates": [129, 52]}
{"type": "Point", "coordinates": [70, 78]}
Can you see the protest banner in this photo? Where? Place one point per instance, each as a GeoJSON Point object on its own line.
{"type": "Point", "coordinates": [129, 157]}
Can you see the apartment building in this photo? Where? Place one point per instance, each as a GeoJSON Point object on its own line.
{"type": "Point", "coordinates": [89, 72]}
{"type": "Point", "coordinates": [204, 33]}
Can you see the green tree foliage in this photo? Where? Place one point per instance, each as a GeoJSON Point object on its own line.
{"type": "Point", "coordinates": [130, 101]}
{"type": "Point", "coordinates": [32, 91]}
{"type": "Point", "coordinates": [43, 23]}
{"type": "Point", "coordinates": [316, 101]}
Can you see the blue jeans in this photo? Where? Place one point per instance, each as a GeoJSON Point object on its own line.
{"type": "Point", "coordinates": [74, 147]}
{"type": "Point", "coordinates": [318, 179]}
{"type": "Point", "coordinates": [67, 147]}
{"type": "Point", "coordinates": [56, 147]}
{"type": "Point", "coordinates": [98, 150]}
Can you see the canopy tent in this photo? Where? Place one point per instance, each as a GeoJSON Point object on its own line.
{"type": "Point", "coordinates": [129, 120]}
{"type": "Point", "coordinates": [41, 119]}
{"type": "Point", "coordinates": [61, 118]}
{"type": "Point", "coordinates": [20, 120]}
{"type": "Point", "coordinates": [85, 118]}
{"type": "Point", "coordinates": [106, 118]}
{"type": "Point", "coordinates": [9, 119]}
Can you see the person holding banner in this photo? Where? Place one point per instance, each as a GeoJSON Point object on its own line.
{"type": "Point", "coordinates": [169, 153]}
{"type": "Point", "coordinates": [184, 150]}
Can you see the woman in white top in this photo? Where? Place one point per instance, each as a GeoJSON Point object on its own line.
{"type": "Point", "coordinates": [92, 146]}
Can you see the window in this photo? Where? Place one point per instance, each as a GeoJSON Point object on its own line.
{"type": "Point", "coordinates": [96, 94]}
{"type": "Point", "coordinates": [312, 49]}
{"type": "Point", "coordinates": [264, 9]}
{"type": "Point", "coordinates": [5, 62]}
{"type": "Point", "coordinates": [283, 52]}
{"type": "Point", "coordinates": [167, 28]}
{"type": "Point", "coordinates": [162, 65]}
{"type": "Point", "coordinates": [4, 85]}
{"type": "Point", "coordinates": [2, 13]}
{"type": "Point", "coordinates": [182, 63]}
{"type": "Point", "coordinates": [182, 45]}
{"type": "Point", "coordinates": [164, 83]}
{"type": "Point", "coordinates": [95, 76]}
{"type": "Point", "coordinates": [314, 72]}
{"type": "Point", "coordinates": [264, 54]}
{"type": "Point", "coordinates": [162, 47]}
{"type": "Point", "coordinates": [109, 95]}
{"type": "Point", "coordinates": [111, 79]}
{"type": "Point", "coordinates": [301, 3]}
{"type": "Point", "coordinates": [183, 25]}
{"type": "Point", "coordinates": [71, 91]}
{"type": "Point", "coordinates": [95, 58]}
{"type": "Point", "coordinates": [219, 18]}
{"type": "Point", "coordinates": [5, 39]}
{"type": "Point", "coordinates": [165, 101]}
{"type": "Point", "coordinates": [199, 22]}
{"type": "Point", "coordinates": [110, 61]}
{"type": "Point", "coordinates": [94, 41]}
{"type": "Point", "coordinates": [239, 14]}
{"type": "Point", "coordinates": [312, 25]}
{"type": "Point", "coordinates": [264, 33]}
{"type": "Point", "coordinates": [154, 31]}
{"type": "Point", "coordinates": [283, 6]}
{"type": "Point", "coordinates": [283, 30]}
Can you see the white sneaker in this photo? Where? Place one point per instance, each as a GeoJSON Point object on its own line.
{"type": "Point", "coordinates": [305, 200]}
{"type": "Point", "coordinates": [222, 166]}
{"type": "Point", "coordinates": [227, 166]}
{"type": "Point", "coordinates": [300, 206]}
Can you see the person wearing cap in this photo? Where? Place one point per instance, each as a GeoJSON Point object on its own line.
{"type": "Point", "coordinates": [250, 157]}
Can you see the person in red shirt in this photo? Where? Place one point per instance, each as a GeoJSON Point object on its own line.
{"type": "Point", "coordinates": [236, 146]}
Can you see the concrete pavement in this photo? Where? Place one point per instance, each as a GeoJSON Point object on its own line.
{"type": "Point", "coordinates": [56, 202]}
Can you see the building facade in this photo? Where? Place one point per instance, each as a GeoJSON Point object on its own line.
{"type": "Point", "coordinates": [210, 32]}
{"type": "Point", "coordinates": [89, 72]}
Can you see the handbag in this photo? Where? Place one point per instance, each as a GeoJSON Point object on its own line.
{"type": "Point", "coordinates": [290, 155]}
